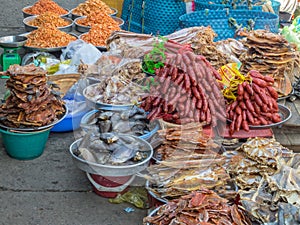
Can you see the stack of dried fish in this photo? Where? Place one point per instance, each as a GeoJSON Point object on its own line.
{"type": "Point", "coordinates": [187, 163]}
{"type": "Point", "coordinates": [268, 177]}
{"type": "Point", "coordinates": [272, 55]}
{"type": "Point", "coordinates": [202, 207]}
{"type": "Point", "coordinates": [31, 102]}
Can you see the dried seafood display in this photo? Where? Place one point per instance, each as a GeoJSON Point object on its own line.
{"type": "Point", "coordinates": [255, 104]}
{"type": "Point", "coordinates": [271, 55]}
{"type": "Point", "coordinates": [132, 121]}
{"type": "Point", "coordinates": [202, 207]}
{"type": "Point", "coordinates": [115, 90]}
{"type": "Point", "coordinates": [49, 18]}
{"type": "Point", "coordinates": [99, 33]}
{"type": "Point", "coordinates": [267, 175]}
{"type": "Point", "coordinates": [89, 6]}
{"type": "Point", "coordinates": [111, 149]}
{"type": "Point", "coordinates": [42, 6]}
{"type": "Point", "coordinates": [48, 37]}
{"type": "Point", "coordinates": [31, 102]}
{"type": "Point", "coordinates": [186, 91]}
{"type": "Point", "coordinates": [187, 161]}
{"type": "Point", "coordinates": [232, 48]}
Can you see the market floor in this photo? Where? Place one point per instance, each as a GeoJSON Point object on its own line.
{"type": "Point", "coordinates": [52, 190]}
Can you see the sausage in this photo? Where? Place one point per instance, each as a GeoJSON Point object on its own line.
{"type": "Point", "coordinates": [156, 101]}
{"type": "Point", "coordinates": [238, 122]}
{"type": "Point", "coordinates": [246, 95]}
{"type": "Point", "coordinates": [257, 99]}
{"type": "Point", "coordinates": [249, 117]}
{"type": "Point", "coordinates": [187, 82]}
{"type": "Point", "coordinates": [272, 92]}
{"type": "Point", "coordinates": [166, 85]}
{"type": "Point", "coordinates": [179, 79]}
{"type": "Point", "coordinates": [174, 73]}
{"type": "Point", "coordinates": [256, 108]}
{"type": "Point", "coordinates": [249, 105]}
{"type": "Point", "coordinates": [245, 125]}
{"type": "Point", "coordinates": [175, 99]}
{"type": "Point", "coordinates": [238, 110]}
{"type": "Point", "coordinates": [197, 116]}
{"type": "Point", "coordinates": [269, 79]}
{"type": "Point", "coordinates": [276, 118]}
{"type": "Point", "coordinates": [195, 92]}
{"type": "Point", "coordinates": [259, 82]}
{"type": "Point", "coordinates": [212, 107]}
{"type": "Point", "coordinates": [187, 106]}
{"type": "Point", "coordinates": [244, 115]}
{"type": "Point", "coordinates": [263, 97]}
{"type": "Point", "coordinates": [240, 90]}
{"type": "Point", "coordinates": [263, 120]}
{"type": "Point", "coordinates": [199, 104]}
{"type": "Point", "coordinates": [242, 105]}
{"type": "Point", "coordinates": [249, 89]}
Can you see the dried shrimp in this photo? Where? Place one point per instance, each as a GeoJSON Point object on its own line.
{"type": "Point", "coordinates": [48, 37]}
{"type": "Point", "coordinates": [89, 6]}
{"type": "Point", "coordinates": [49, 18]}
{"type": "Point", "coordinates": [43, 6]}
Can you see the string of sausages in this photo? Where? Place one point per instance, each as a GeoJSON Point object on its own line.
{"type": "Point", "coordinates": [186, 91]}
{"type": "Point", "coordinates": [255, 104]}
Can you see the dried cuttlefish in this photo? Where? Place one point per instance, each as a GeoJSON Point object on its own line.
{"type": "Point", "coordinates": [32, 103]}
{"type": "Point", "coordinates": [202, 207]}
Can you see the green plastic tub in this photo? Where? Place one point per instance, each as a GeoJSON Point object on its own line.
{"type": "Point", "coordinates": [25, 145]}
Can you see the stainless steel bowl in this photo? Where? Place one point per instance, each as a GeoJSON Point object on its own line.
{"type": "Point", "coordinates": [25, 14]}
{"type": "Point", "coordinates": [75, 16]}
{"type": "Point", "coordinates": [12, 41]}
{"type": "Point", "coordinates": [29, 28]}
{"type": "Point", "coordinates": [84, 29]}
{"type": "Point", "coordinates": [111, 170]}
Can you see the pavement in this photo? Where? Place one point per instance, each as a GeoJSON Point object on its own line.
{"type": "Point", "coordinates": [51, 189]}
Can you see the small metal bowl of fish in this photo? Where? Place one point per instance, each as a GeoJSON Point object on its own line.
{"type": "Point", "coordinates": [29, 27]}
{"type": "Point", "coordinates": [110, 154]}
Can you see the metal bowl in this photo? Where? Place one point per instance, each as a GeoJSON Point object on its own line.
{"type": "Point", "coordinates": [104, 106]}
{"type": "Point", "coordinates": [148, 186]}
{"type": "Point", "coordinates": [111, 170]}
{"type": "Point", "coordinates": [25, 14]}
{"type": "Point", "coordinates": [29, 28]}
{"type": "Point", "coordinates": [75, 16]}
{"type": "Point", "coordinates": [85, 29]}
{"type": "Point", "coordinates": [53, 49]}
{"type": "Point", "coordinates": [10, 129]}
{"type": "Point", "coordinates": [12, 41]}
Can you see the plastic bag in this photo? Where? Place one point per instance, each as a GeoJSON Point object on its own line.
{"type": "Point", "coordinates": [79, 51]}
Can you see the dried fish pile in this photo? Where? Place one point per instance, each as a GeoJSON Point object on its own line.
{"type": "Point", "coordinates": [201, 207]}
{"type": "Point", "coordinates": [132, 121]}
{"type": "Point", "coordinates": [187, 162]}
{"type": "Point", "coordinates": [232, 48]}
{"type": "Point", "coordinates": [31, 102]}
{"type": "Point", "coordinates": [268, 178]}
{"type": "Point", "coordinates": [42, 6]}
{"type": "Point", "coordinates": [186, 91]}
{"type": "Point", "coordinates": [49, 18]}
{"type": "Point", "coordinates": [111, 149]}
{"type": "Point", "coordinates": [272, 55]}
{"type": "Point", "coordinates": [92, 6]}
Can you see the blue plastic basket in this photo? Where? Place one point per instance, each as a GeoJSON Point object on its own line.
{"type": "Point", "coordinates": [240, 5]}
{"type": "Point", "coordinates": [218, 20]}
{"type": "Point", "coordinates": [162, 16]}
{"type": "Point", "coordinates": [132, 15]}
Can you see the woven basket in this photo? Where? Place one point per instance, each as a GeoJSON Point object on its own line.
{"type": "Point", "coordinates": [162, 16]}
{"type": "Point", "coordinates": [218, 20]}
{"type": "Point", "coordinates": [217, 4]}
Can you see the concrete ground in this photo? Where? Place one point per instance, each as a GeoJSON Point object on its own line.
{"type": "Point", "coordinates": [51, 189]}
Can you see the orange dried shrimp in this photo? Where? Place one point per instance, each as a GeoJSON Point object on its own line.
{"type": "Point", "coordinates": [49, 18]}
{"type": "Point", "coordinates": [42, 6]}
{"type": "Point", "coordinates": [98, 17]}
{"type": "Point", "coordinates": [99, 33]}
{"type": "Point", "coordinates": [48, 37]}
{"type": "Point", "coordinates": [84, 9]}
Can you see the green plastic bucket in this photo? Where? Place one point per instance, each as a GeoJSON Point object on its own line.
{"type": "Point", "coordinates": [25, 145]}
